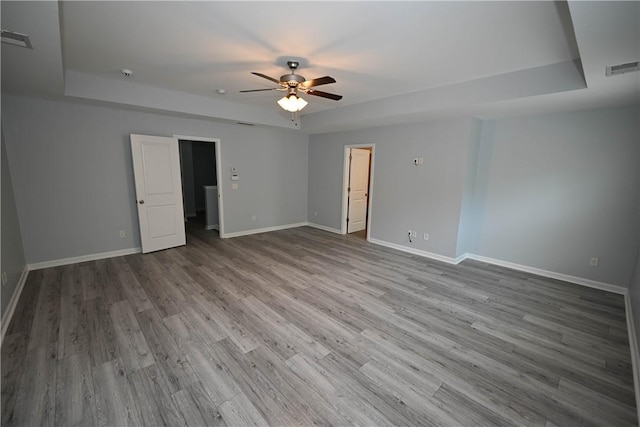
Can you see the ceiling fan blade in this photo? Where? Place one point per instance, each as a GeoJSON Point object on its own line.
{"type": "Point", "coordinates": [319, 81]}
{"type": "Point", "coordinates": [265, 77]}
{"type": "Point", "coordinates": [324, 94]}
{"type": "Point", "coordinates": [259, 90]}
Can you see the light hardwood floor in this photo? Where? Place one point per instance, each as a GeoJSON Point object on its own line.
{"type": "Point", "coordinates": [303, 327]}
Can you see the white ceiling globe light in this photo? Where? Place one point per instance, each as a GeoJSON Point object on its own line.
{"type": "Point", "coordinates": [292, 103]}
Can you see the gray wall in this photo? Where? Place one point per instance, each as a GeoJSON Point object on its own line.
{"type": "Point", "coordinates": [73, 177]}
{"type": "Point", "coordinates": [426, 198]}
{"type": "Point", "coordinates": [547, 191]}
{"type": "Point", "coordinates": [555, 190]}
{"type": "Point", "coordinates": [12, 253]}
{"type": "Point", "coordinates": [467, 229]}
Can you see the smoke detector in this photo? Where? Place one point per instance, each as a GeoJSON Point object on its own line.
{"type": "Point", "coordinates": [126, 72]}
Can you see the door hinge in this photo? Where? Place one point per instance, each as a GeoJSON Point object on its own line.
{"type": "Point", "coordinates": [350, 157]}
{"type": "Point", "coordinates": [348, 189]}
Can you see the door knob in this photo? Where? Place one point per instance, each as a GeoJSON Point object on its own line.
{"type": "Point", "coordinates": [141, 202]}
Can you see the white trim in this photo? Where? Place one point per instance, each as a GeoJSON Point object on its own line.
{"type": "Point", "coordinates": [324, 227]}
{"type": "Point", "coordinates": [11, 307]}
{"type": "Point", "coordinates": [212, 227]}
{"type": "Point", "coordinates": [218, 150]}
{"type": "Point", "coordinates": [616, 289]}
{"type": "Point", "coordinates": [83, 258]}
{"type": "Point", "coordinates": [265, 230]}
{"type": "Point", "coordinates": [419, 252]}
{"type": "Point", "coordinates": [633, 345]}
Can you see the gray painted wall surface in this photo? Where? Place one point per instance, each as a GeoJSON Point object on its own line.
{"type": "Point", "coordinates": [555, 190]}
{"type": "Point", "coordinates": [424, 198]}
{"type": "Point", "coordinates": [73, 176]}
{"type": "Point", "coordinates": [12, 258]}
{"type": "Point", "coordinates": [467, 229]}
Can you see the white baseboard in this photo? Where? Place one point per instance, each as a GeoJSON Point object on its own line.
{"type": "Point", "coordinates": [633, 345]}
{"type": "Point", "coordinates": [264, 230]}
{"type": "Point", "coordinates": [616, 289]}
{"type": "Point", "coordinates": [8, 314]}
{"type": "Point", "coordinates": [419, 252]}
{"type": "Point", "coordinates": [83, 258]}
{"type": "Point", "coordinates": [324, 227]}
{"type": "Point", "coordinates": [212, 227]}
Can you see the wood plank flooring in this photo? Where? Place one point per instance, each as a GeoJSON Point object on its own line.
{"type": "Point", "coordinates": [304, 327]}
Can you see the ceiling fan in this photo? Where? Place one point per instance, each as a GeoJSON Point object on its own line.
{"type": "Point", "coordinates": [292, 83]}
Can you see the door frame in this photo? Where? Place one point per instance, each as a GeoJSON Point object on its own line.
{"type": "Point", "coordinates": [218, 152]}
{"type": "Point", "coordinates": [345, 186]}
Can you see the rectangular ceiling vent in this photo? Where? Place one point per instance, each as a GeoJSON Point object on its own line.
{"type": "Point", "coordinates": [16, 39]}
{"type": "Point", "coordinates": [622, 68]}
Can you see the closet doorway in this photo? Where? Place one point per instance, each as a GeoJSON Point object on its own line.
{"type": "Point", "coordinates": [202, 195]}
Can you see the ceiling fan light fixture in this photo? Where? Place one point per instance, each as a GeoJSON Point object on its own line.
{"type": "Point", "coordinates": [292, 103]}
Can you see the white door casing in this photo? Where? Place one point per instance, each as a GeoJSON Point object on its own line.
{"type": "Point", "coordinates": [156, 169]}
{"type": "Point", "coordinates": [358, 189]}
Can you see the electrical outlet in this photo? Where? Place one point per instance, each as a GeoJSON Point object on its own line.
{"type": "Point", "coordinates": [315, 213]}
{"type": "Point", "coordinates": [122, 233]}
{"type": "Point", "coordinates": [414, 233]}
{"type": "Point", "coordinates": [4, 278]}
{"type": "Point", "coordinates": [594, 262]}
{"type": "Point", "coordinates": [426, 236]}
{"type": "Point", "coordinates": [253, 218]}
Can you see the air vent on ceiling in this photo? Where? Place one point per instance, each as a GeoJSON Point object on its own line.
{"type": "Point", "coordinates": [622, 68]}
{"type": "Point", "coordinates": [245, 124]}
{"type": "Point", "coordinates": [16, 39]}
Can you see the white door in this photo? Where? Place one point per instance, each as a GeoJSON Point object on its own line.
{"type": "Point", "coordinates": [358, 189]}
{"type": "Point", "coordinates": [156, 169]}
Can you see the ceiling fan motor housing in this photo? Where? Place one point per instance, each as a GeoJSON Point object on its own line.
{"type": "Point", "coordinates": [292, 79]}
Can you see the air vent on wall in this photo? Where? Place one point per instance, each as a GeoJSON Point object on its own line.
{"type": "Point", "coordinates": [16, 39]}
{"type": "Point", "coordinates": [622, 68]}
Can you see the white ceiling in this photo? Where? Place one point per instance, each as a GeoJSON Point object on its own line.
{"type": "Point", "coordinates": [393, 61]}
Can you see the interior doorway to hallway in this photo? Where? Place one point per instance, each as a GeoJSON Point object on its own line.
{"type": "Point", "coordinates": [200, 173]}
{"type": "Point", "coordinates": [357, 189]}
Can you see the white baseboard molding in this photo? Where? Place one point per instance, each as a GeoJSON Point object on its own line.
{"type": "Point", "coordinates": [264, 230]}
{"type": "Point", "coordinates": [83, 258]}
{"type": "Point", "coordinates": [616, 289]}
{"type": "Point", "coordinates": [419, 252]}
{"type": "Point", "coordinates": [212, 227]}
{"type": "Point", "coordinates": [324, 227]}
{"type": "Point", "coordinates": [633, 345]}
{"type": "Point", "coordinates": [8, 314]}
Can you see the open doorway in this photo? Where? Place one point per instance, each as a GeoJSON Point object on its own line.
{"type": "Point", "coordinates": [357, 190]}
{"type": "Point", "coordinates": [202, 196]}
